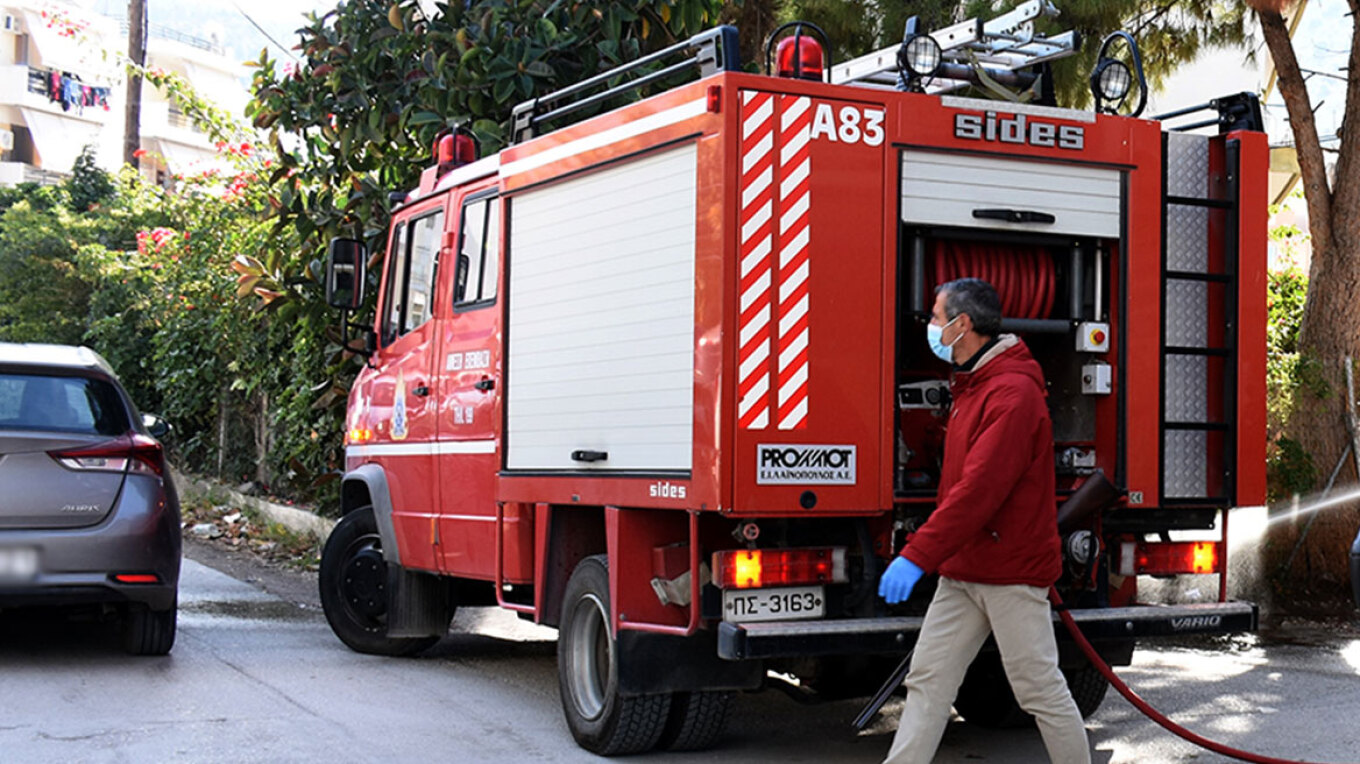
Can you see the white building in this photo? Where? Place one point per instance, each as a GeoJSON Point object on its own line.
{"type": "Point", "coordinates": [62, 88]}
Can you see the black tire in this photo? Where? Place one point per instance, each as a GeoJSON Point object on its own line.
{"type": "Point", "coordinates": [840, 677]}
{"type": "Point", "coordinates": [601, 720]}
{"type": "Point", "coordinates": [696, 721]}
{"type": "Point", "coordinates": [353, 581]}
{"type": "Point", "coordinates": [986, 699]}
{"type": "Point", "coordinates": [147, 631]}
{"type": "Point", "coordinates": [1088, 688]}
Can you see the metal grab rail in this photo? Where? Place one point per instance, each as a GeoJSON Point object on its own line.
{"type": "Point", "coordinates": [1240, 111]}
{"type": "Point", "coordinates": [713, 51]}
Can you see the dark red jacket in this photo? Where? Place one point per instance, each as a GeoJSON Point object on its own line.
{"type": "Point", "coordinates": [996, 521]}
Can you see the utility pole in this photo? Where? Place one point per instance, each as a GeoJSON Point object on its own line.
{"type": "Point", "coordinates": [132, 130]}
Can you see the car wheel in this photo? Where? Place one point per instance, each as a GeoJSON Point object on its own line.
{"type": "Point", "coordinates": [601, 720]}
{"type": "Point", "coordinates": [353, 581]}
{"type": "Point", "coordinates": [147, 631]}
{"type": "Point", "coordinates": [696, 721]}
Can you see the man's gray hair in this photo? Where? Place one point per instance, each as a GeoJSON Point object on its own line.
{"type": "Point", "coordinates": [978, 299]}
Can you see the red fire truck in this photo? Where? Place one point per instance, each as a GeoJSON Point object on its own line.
{"type": "Point", "coordinates": [658, 378]}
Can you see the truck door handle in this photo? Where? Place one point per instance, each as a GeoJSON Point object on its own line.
{"type": "Point", "coordinates": [1014, 216]}
{"type": "Point", "coordinates": [485, 384]}
{"type": "Point", "coordinates": [589, 456]}
{"type": "Point", "coordinates": [421, 390]}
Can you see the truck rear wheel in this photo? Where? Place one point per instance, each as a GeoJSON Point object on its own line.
{"type": "Point", "coordinates": [601, 720]}
{"type": "Point", "coordinates": [986, 699]}
{"type": "Point", "coordinates": [697, 720]}
{"type": "Point", "coordinates": [353, 581]}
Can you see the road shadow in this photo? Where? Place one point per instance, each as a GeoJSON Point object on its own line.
{"type": "Point", "coordinates": [33, 632]}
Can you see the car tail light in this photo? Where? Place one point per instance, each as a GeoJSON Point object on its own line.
{"type": "Point", "coordinates": [756, 568]}
{"type": "Point", "coordinates": [1171, 558]}
{"type": "Point", "coordinates": [131, 452]}
{"type": "Point", "coordinates": [137, 578]}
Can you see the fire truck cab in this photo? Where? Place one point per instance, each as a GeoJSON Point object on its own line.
{"type": "Point", "coordinates": [659, 378]}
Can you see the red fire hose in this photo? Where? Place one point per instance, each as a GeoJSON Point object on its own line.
{"type": "Point", "coordinates": [1142, 705]}
{"type": "Point", "coordinates": [1023, 275]}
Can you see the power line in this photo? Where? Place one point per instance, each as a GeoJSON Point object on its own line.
{"type": "Point", "coordinates": [267, 36]}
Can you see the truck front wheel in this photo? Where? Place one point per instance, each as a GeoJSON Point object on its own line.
{"type": "Point", "coordinates": [353, 581]}
{"type": "Point", "coordinates": [601, 720]}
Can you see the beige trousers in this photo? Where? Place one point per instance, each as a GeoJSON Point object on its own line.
{"type": "Point", "coordinates": [956, 625]}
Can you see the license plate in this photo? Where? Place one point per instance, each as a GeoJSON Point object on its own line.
{"type": "Point", "coordinates": [18, 564]}
{"type": "Point", "coordinates": [787, 603]}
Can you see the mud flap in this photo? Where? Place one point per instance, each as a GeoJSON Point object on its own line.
{"type": "Point", "coordinates": [417, 604]}
{"type": "Point", "coordinates": [654, 663]}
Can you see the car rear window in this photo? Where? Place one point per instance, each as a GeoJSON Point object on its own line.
{"type": "Point", "coordinates": [61, 404]}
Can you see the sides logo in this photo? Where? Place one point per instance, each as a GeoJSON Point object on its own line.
{"type": "Point", "coordinates": [790, 464]}
{"type": "Point", "coordinates": [1019, 129]}
{"type": "Point", "coordinates": [666, 490]}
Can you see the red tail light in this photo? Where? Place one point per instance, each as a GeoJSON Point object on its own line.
{"type": "Point", "coordinates": [800, 57]}
{"type": "Point", "coordinates": [1167, 559]}
{"type": "Point", "coordinates": [137, 578]}
{"type": "Point", "coordinates": [757, 568]}
{"type": "Point", "coordinates": [131, 452]}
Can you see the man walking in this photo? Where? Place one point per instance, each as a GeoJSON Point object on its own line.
{"type": "Point", "coordinates": [993, 536]}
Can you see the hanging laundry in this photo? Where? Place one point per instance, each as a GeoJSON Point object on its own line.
{"type": "Point", "coordinates": [70, 93]}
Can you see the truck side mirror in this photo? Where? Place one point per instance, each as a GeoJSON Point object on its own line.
{"type": "Point", "coordinates": [345, 259]}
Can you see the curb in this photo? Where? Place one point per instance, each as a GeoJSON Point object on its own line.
{"type": "Point", "coordinates": [294, 519]}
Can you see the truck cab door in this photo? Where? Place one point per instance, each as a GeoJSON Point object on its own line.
{"type": "Point", "coordinates": [404, 409]}
{"type": "Point", "coordinates": [470, 392]}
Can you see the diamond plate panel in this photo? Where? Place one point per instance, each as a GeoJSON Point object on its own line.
{"type": "Point", "coordinates": [1185, 464]}
{"type": "Point", "coordinates": [1187, 238]}
{"type": "Point", "coordinates": [1187, 165]}
{"type": "Point", "coordinates": [1187, 388]}
{"type": "Point", "coordinates": [1187, 310]}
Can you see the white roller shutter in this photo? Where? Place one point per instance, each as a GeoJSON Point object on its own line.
{"type": "Point", "coordinates": [601, 328]}
{"type": "Point", "coordinates": [944, 189]}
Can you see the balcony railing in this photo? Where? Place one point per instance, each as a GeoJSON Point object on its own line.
{"type": "Point", "coordinates": [166, 33]}
{"type": "Point", "coordinates": [43, 177]}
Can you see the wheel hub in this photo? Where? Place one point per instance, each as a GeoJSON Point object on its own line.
{"type": "Point", "coordinates": [364, 583]}
{"type": "Point", "coordinates": [590, 651]}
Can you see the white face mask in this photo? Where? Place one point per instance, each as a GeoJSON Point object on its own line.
{"type": "Point", "coordinates": [935, 336]}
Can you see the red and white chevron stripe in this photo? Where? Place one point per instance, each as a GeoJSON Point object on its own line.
{"type": "Point", "coordinates": [757, 234]}
{"type": "Point", "coordinates": [794, 196]}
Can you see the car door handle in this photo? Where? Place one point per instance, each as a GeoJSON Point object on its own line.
{"type": "Point", "coordinates": [486, 384]}
{"type": "Point", "coordinates": [1015, 216]}
{"type": "Point", "coordinates": [583, 455]}
{"type": "Point", "coordinates": [421, 390]}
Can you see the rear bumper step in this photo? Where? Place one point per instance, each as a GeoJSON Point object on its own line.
{"type": "Point", "coordinates": [897, 635]}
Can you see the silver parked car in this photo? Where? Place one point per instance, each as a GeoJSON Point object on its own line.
{"type": "Point", "coordinates": [88, 514]}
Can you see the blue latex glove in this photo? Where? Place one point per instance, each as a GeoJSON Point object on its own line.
{"type": "Point", "coordinates": [899, 579]}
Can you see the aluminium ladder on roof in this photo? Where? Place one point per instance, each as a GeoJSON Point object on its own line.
{"type": "Point", "coordinates": [1002, 46]}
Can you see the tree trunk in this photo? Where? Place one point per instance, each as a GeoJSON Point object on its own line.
{"type": "Point", "coordinates": [132, 126]}
{"type": "Point", "coordinates": [262, 442]}
{"type": "Point", "coordinates": [1330, 329]}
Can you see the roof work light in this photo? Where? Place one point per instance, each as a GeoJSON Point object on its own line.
{"type": "Point", "coordinates": [1112, 79]}
{"type": "Point", "coordinates": [920, 55]}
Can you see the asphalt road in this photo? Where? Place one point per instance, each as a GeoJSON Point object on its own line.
{"type": "Point", "coordinates": [257, 676]}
